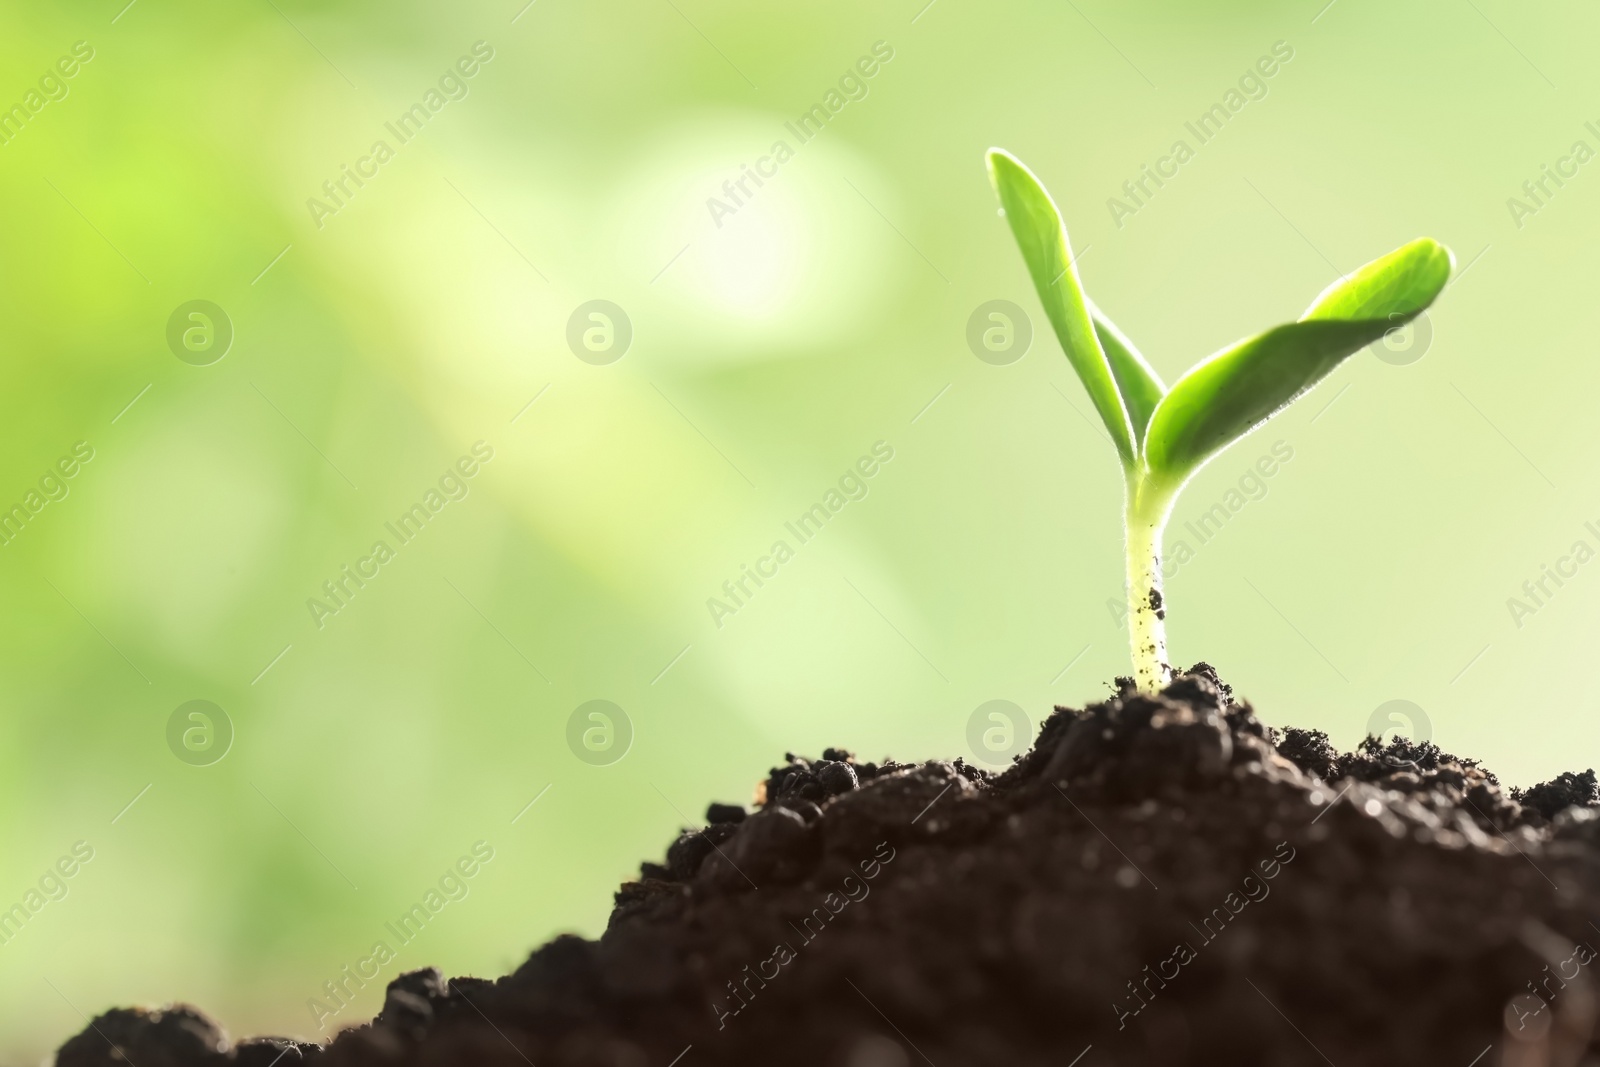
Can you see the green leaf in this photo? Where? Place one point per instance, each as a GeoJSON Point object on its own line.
{"type": "Point", "coordinates": [1239, 388]}
{"type": "Point", "coordinates": [1401, 283]}
{"type": "Point", "coordinates": [1037, 226]}
{"type": "Point", "coordinates": [1137, 382]}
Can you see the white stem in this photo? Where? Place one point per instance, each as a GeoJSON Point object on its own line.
{"type": "Point", "coordinates": [1147, 511]}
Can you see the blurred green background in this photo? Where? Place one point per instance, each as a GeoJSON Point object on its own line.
{"type": "Point", "coordinates": [826, 313]}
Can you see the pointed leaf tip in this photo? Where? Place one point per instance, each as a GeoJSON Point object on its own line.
{"type": "Point", "coordinates": [1398, 285]}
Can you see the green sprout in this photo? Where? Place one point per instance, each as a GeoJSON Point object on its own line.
{"type": "Point", "coordinates": [1163, 436]}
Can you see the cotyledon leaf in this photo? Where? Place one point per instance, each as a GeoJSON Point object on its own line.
{"type": "Point", "coordinates": [1234, 391]}
{"type": "Point", "coordinates": [1401, 283]}
{"type": "Point", "coordinates": [1137, 382]}
{"type": "Point", "coordinates": [1040, 234]}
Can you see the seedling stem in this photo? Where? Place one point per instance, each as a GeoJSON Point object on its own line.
{"type": "Point", "coordinates": [1146, 518]}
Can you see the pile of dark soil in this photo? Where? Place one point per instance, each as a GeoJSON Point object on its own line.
{"type": "Point", "coordinates": [1161, 880]}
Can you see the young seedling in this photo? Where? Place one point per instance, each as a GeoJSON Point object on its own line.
{"type": "Point", "coordinates": [1163, 436]}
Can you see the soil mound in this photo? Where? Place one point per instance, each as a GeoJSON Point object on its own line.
{"type": "Point", "coordinates": [1160, 880]}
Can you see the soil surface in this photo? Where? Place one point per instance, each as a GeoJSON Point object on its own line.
{"type": "Point", "coordinates": [1160, 880]}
